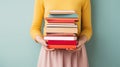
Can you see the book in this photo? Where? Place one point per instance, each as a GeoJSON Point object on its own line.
{"type": "Point", "coordinates": [49, 18]}
{"type": "Point", "coordinates": [62, 42]}
{"type": "Point", "coordinates": [61, 26]}
{"type": "Point", "coordinates": [61, 12]}
{"type": "Point", "coordinates": [71, 47]}
{"type": "Point", "coordinates": [63, 16]}
{"type": "Point", "coordinates": [60, 38]}
{"type": "Point", "coordinates": [61, 21]}
{"type": "Point", "coordinates": [61, 34]}
{"type": "Point", "coordinates": [61, 30]}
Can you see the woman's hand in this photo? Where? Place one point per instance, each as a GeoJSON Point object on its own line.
{"type": "Point", "coordinates": [41, 41]}
{"type": "Point", "coordinates": [82, 40]}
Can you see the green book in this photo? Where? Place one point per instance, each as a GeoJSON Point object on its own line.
{"type": "Point", "coordinates": [63, 15]}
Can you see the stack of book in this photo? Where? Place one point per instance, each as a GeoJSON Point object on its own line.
{"type": "Point", "coordinates": [61, 29]}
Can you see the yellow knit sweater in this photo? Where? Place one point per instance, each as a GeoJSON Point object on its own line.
{"type": "Point", "coordinates": [42, 8]}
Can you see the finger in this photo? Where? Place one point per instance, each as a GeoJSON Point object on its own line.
{"type": "Point", "coordinates": [79, 48]}
{"type": "Point", "coordinates": [78, 45]}
{"type": "Point", "coordinates": [71, 50]}
{"type": "Point", "coordinates": [45, 44]}
{"type": "Point", "coordinates": [67, 48]}
{"type": "Point", "coordinates": [49, 49]}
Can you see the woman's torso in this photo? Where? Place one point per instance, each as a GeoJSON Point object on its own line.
{"type": "Point", "coordinates": [63, 5]}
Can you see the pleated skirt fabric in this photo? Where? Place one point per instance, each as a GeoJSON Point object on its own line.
{"type": "Point", "coordinates": [63, 58]}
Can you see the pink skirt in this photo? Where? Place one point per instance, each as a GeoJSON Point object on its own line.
{"type": "Point", "coordinates": [63, 58]}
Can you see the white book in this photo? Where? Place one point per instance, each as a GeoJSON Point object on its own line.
{"type": "Point", "coordinates": [60, 38]}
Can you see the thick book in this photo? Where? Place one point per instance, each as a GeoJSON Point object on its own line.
{"type": "Point", "coordinates": [62, 42]}
{"type": "Point", "coordinates": [60, 38]}
{"type": "Point", "coordinates": [63, 16]}
{"type": "Point", "coordinates": [61, 12]}
{"type": "Point", "coordinates": [61, 30]}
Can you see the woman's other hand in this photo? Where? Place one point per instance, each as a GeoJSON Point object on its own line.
{"type": "Point", "coordinates": [82, 40]}
{"type": "Point", "coordinates": [41, 41]}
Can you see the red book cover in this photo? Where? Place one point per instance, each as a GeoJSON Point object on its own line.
{"type": "Point", "coordinates": [62, 42]}
{"type": "Point", "coordinates": [61, 21]}
{"type": "Point", "coordinates": [48, 18]}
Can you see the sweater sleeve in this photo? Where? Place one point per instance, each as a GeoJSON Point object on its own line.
{"type": "Point", "coordinates": [86, 26]}
{"type": "Point", "coordinates": [37, 19]}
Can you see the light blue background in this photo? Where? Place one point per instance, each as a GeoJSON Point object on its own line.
{"type": "Point", "coordinates": [17, 49]}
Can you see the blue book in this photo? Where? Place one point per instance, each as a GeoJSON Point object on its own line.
{"type": "Point", "coordinates": [63, 15]}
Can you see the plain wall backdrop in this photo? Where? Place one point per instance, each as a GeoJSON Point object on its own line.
{"type": "Point", "coordinates": [17, 49]}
